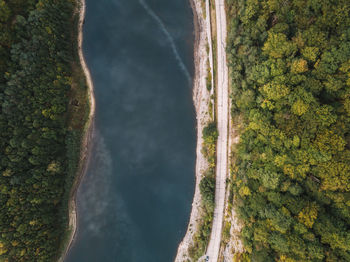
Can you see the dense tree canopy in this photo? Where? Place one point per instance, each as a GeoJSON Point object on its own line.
{"type": "Point", "coordinates": [35, 143]}
{"type": "Point", "coordinates": [290, 71]}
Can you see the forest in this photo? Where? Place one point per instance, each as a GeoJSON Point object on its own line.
{"type": "Point", "coordinates": [290, 81]}
{"type": "Point", "coordinates": [39, 141]}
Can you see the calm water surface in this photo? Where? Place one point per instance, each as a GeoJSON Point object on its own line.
{"type": "Point", "coordinates": [135, 200]}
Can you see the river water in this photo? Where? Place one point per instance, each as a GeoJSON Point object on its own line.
{"type": "Point", "coordinates": [134, 202]}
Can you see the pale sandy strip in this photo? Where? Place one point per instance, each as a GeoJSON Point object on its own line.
{"type": "Point", "coordinates": [86, 140]}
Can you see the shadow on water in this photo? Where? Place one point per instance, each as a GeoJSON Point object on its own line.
{"type": "Point", "coordinates": [135, 200]}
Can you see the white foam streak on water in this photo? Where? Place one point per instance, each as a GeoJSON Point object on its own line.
{"type": "Point", "coordinates": [169, 37]}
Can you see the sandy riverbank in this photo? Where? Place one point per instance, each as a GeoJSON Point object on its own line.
{"type": "Point", "coordinates": [201, 99]}
{"type": "Point", "coordinates": [87, 136]}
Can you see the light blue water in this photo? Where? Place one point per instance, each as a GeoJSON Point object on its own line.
{"type": "Point", "coordinates": [135, 200]}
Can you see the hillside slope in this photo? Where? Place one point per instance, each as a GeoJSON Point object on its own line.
{"type": "Point", "coordinates": [290, 73]}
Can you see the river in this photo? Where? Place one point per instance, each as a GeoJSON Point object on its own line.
{"type": "Point", "coordinates": [135, 200]}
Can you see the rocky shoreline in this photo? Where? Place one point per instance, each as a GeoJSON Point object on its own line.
{"type": "Point", "coordinates": [201, 99]}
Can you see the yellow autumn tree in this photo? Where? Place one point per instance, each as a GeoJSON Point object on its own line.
{"type": "Point", "coordinates": [308, 215]}
{"type": "Point", "coordinates": [299, 66]}
{"type": "Point", "coordinates": [3, 249]}
{"type": "Point", "coordinates": [300, 107]}
{"type": "Point", "coordinates": [310, 53]}
{"type": "Point", "coordinates": [278, 46]}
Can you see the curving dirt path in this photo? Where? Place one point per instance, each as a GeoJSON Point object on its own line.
{"type": "Point", "coordinates": [222, 145]}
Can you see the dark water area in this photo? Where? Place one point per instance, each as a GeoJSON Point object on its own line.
{"type": "Point", "coordinates": [135, 200]}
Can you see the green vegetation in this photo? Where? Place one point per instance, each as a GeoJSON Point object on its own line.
{"type": "Point", "coordinates": [207, 189]}
{"type": "Point", "coordinates": [208, 78]}
{"type": "Point", "coordinates": [43, 110]}
{"type": "Point", "coordinates": [290, 69]}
